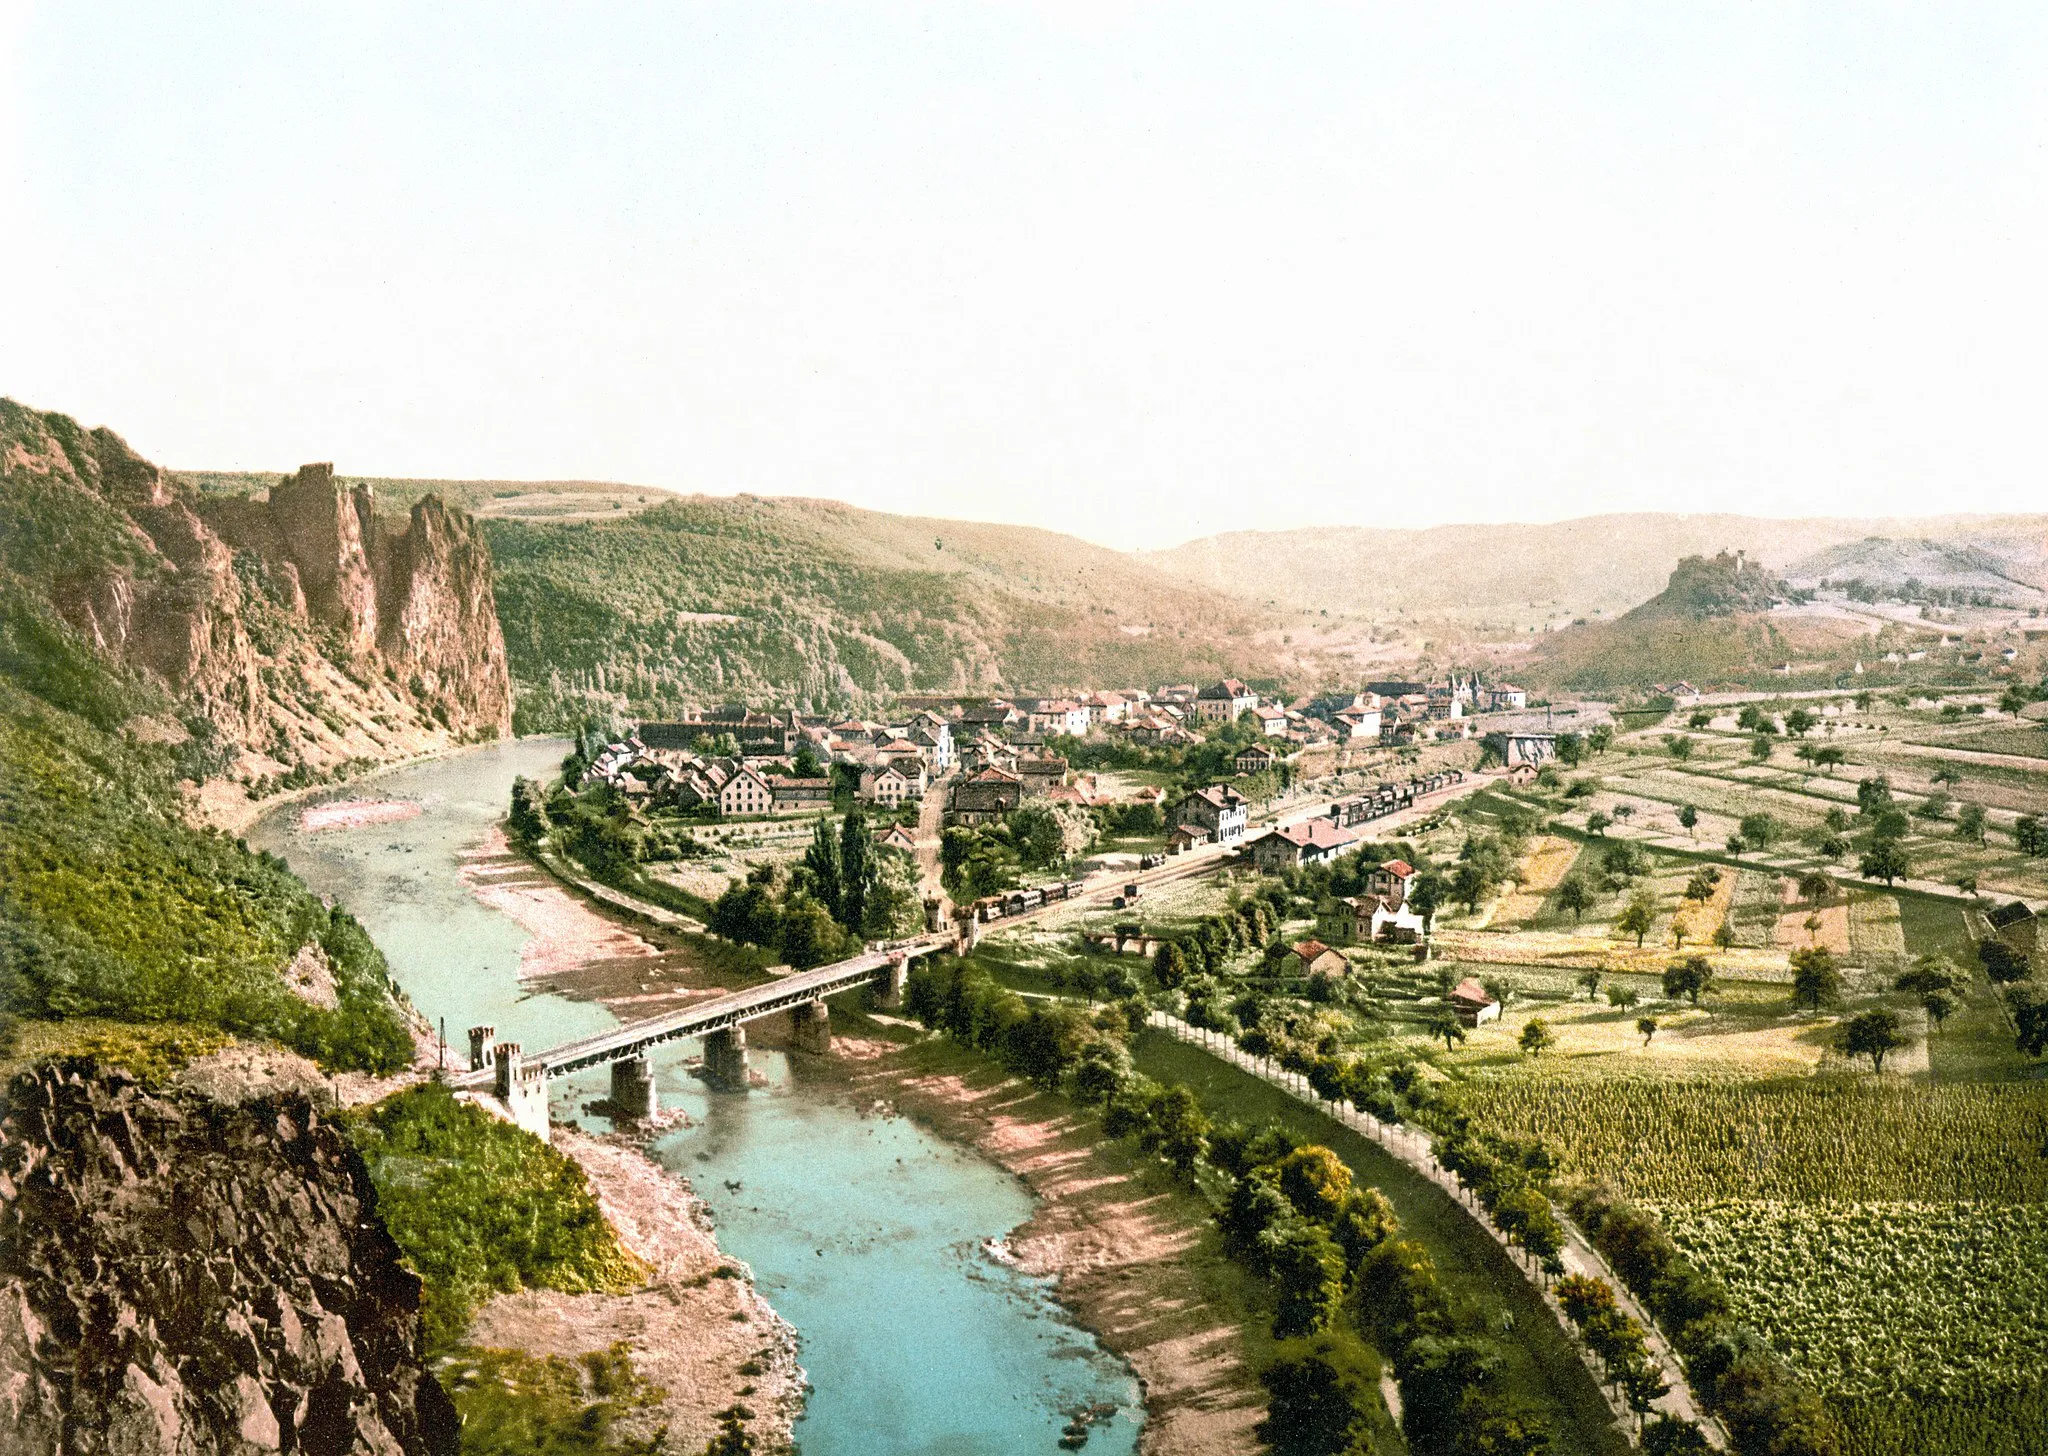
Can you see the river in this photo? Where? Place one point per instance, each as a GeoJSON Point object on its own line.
{"type": "Point", "coordinates": [865, 1231]}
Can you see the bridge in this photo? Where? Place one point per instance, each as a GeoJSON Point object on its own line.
{"type": "Point", "coordinates": [520, 1082]}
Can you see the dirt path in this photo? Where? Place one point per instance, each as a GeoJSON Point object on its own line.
{"type": "Point", "coordinates": [931, 819]}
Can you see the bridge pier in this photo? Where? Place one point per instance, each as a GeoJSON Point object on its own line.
{"type": "Point", "coordinates": [479, 1046]}
{"type": "Point", "coordinates": [885, 992]}
{"type": "Point", "coordinates": [522, 1088]}
{"type": "Point", "coordinates": [725, 1058]}
{"type": "Point", "coordinates": [810, 1025]}
{"type": "Point", "coordinates": [633, 1090]}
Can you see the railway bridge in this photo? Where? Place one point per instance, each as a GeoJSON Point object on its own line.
{"type": "Point", "coordinates": [520, 1081]}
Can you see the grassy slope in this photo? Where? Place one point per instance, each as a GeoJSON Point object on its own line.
{"type": "Point", "coordinates": [714, 598]}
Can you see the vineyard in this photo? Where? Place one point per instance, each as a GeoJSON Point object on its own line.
{"type": "Point", "coordinates": [1883, 1299]}
{"type": "Point", "coordinates": [1812, 1140]}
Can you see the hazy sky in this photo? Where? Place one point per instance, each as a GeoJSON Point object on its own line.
{"type": "Point", "coordinates": [1138, 272]}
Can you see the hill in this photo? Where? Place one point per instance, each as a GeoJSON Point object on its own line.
{"type": "Point", "coordinates": [1991, 569]}
{"type": "Point", "coordinates": [705, 599]}
{"type": "Point", "coordinates": [1520, 575]}
{"type": "Point", "coordinates": [1712, 624]}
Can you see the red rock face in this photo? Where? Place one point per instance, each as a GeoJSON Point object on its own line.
{"type": "Point", "coordinates": [306, 628]}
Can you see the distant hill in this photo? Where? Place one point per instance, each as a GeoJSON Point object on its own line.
{"type": "Point", "coordinates": [1519, 574]}
{"type": "Point", "coordinates": [1999, 569]}
{"type": "Point", "coordinates": [1712, 624]}
{"type": "Point", "coordinates": [707, 599]}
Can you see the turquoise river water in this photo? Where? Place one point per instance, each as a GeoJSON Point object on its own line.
{"type": "Point", "coordinates": [869, 1234]}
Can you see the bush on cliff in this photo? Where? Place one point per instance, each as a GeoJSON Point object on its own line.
{"type": "Point", "coordinates": [480, 1207]}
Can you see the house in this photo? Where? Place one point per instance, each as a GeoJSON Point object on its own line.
{"type": "Point", "coordinates": [1472, 1003]}
{"type": "Point", "coordinates": [1107, 707]}
{"type": "Point", "coordinates": [1390, 881]}
{"type": "Point", "coordinates": [891, 783]}
{"type": "Point", "coordinates": [1353, 724]}
{"type": "Point", "coordinates": [1060, 715]}
{"type": "Point", "coordinates": [2016, 925]}
{"type": "Point", "coordinates": [1342, 919]}
{"type": "Point", "coordinates": [896, 836]}
{"type": "Point", "coordinates": [984, 797]}
{"type": "Point", "coordinates": [1184, 837]}
{"type": "Point", "coordinates": [743, 791]}
{"type": "Point", "coordinates": [1272, 721]}
{"type": "Point", "coordinates": [1515, 749]}
{"type": "Point", "coordinates": [1506, 698]}
{"type": "Point", "coordinates": [1256, 759]}
{"type": "Point", "coordinates": [933, 740]}
{"type": "Point", "coordinates": [1313, 958]}
{"type": "Point", "coordinates": [1387, 923]}
{"type": "Point", "coordinates": [1219, 812]}
{"type": "Point", "coordinates": [1222, 702]}
{"type": "Point", "coordinates": [994, 714]}
{"type": "Point", "coordinates": [1310, 842]}
{"type": "Point", "coordinates": [1040, 772]}
{"type": "Point", "coordinates": [794, 796]}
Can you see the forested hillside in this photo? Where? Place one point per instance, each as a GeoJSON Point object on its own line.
{"type": "Point", "coordinates": [712, 599]}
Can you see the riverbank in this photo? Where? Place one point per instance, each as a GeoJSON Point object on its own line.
{"type": "Point", "coordinates": [1135, 1258]}
{"type": "Point", "coordinates": [699, 1331]}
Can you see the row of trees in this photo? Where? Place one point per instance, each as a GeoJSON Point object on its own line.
{"type": "Point", "coordinates": [982, 859]}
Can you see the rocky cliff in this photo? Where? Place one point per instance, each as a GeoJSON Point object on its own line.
{"type": "Point", "coordinates": [304, 630]}
{"type": "Point", "coordinates": [179, 1276]}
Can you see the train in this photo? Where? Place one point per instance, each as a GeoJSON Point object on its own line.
{"type": "Point", "coordinates": [1383, 799]}
{"type": "Point", "coordinates": [1022, 902]}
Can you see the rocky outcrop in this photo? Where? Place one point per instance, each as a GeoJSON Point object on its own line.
{"type": "Point", "coordinates": [306, 629]}
{"type": "Point", "coordinates": [417, 595]}
{"type": "Point", "coordinates": [179, 1276]}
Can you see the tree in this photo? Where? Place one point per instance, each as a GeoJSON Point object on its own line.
{"type": "Point", "coordinates": [1308, 1269]}
{"type": "Point", "coordinates": [1597, 822]}
{"type": "Point", "coordinates": [1929, 973]}
{"type": "Point", "coordinates": [1946, 773]}
{"type": "Point", "coordinates": [2002, 963]}
{"type": "Point", "coordinates": [1622, 997]}
{"type": "Point", "coordinates": [1829, 759]}
{"type": "Point", "coordinates": [1759, 829]}
{"type": "Point", "coordinates": [1536, 1036]}
{"type": "Point", "coordinates": [859, 874]}
{"type": "Point", "coordinates": [2028, 836]}
{"type": "Point", "coordinates": [1873, 1034]}
{"type": "Point", "coordinates": [1800, 722]}
{"type": "Point", "coordinates": [1760, 747]}
{"type": "Point", "coordinates": [1169, 965]}
{"type": "Point", "coordinates": [1178, 1129]}
{"type": "Point", "coordinates": [1601, 738]}
{"type": "Point", "coordinates": [1574, 896]}
{"type": "Point", "coordinates": [1678, 745]}
{"type": "Point", "coordinates": [1873, 794]}
{"type": "Point", "coordinates": [2030, 1019]}
{"type": "Point", "coordinates": [822, 860]}
{"type": "Point", "coordinates": [1816, 886]}
{"type": "Point", "coordinates": [1688, 819]}
{"type": "Point", "coordinates": [1970, 823]}
{"type": "Point", "coordinates": [1445, 1026]}
{"type": "Point", "coordinates": [1702, 884]}
{"type": "Point", "coordinates": [1470, 883]}
{"type": "Point", "coordinates": [1939, 1006]}
{"type": "Point", "coordinates": [1321, 1392]}
{"type": "Point", "coordinates": [1646, 1027]}
{"type": "Point", "coordinates": [1884, 860]}
{"type": "Point", "coordinates": [1724, 935]}
{"type": "Point", "coordinates": [1427, 897]}
{"type": "Point", "coordinates": [1637, 917]}
{"type": "Point", "coordinates": [809, 935]}
{"type": "Point", "coordinates": [1816, 979]}
{"type": "Point", "coordinates": [1570, 749]}
{"type": "Point", "coordinates": [1315, 1181]}
{"type": "Point", "coordinates": [1673, 1436]}
{"type": "Point", "coordinates": [1691, 978]}
{"type": "Point", "coordinates": [1590, 979]}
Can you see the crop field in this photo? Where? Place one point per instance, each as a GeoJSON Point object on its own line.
{"type": "Point", "coordinates": [1884, 1299]}
{"type": "Point", "coordinates": [1796, 1140]}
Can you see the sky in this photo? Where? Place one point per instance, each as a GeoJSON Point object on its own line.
{"type": "Point", "coordinates": [1141, 273]}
